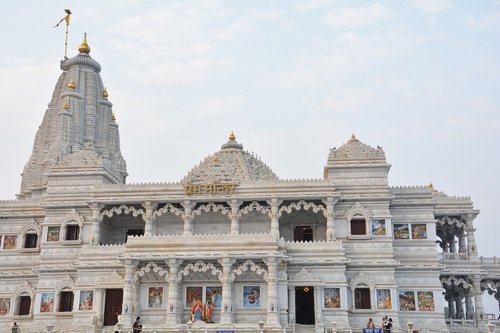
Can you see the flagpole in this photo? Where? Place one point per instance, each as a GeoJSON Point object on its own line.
{"type": "Point", "coordinates": [66, 42]}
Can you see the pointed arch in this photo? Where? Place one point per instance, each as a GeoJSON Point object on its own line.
{"type": "Point", "coordinates": [301, 205]}
{"type": "Point", "coordinates": [151, 266]}
{"type": "Point", "coordinates": [66, 283]}
{"type": "Point", "coordinates": [211, 206]}
{"type": "Point", "coordinates": [254, 206]}
{"type": "Point", "coordinates": [200, 266]}
{"type": "Point", "coordinates": [122, 209]}
{"type": "Point", "coordinates": [169, 208]}
{"type": "Point", "coordinates": [31, 229]}
{"type": "Point", "coordinates": [249, 264]}
{"type": "Point", "coordinates": [72, 218]}
{"type": "Point", "coordinates": [358, 210]}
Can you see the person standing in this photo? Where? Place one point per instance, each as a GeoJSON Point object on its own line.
{"type": "Point", "coordinates": [15, 328]}
{"type": "Point", "coordinates": [137, 327]}
{"type": "Point", "coordinates": [385, 321]}
{"type": "Point", "coordinates": [388, 327]}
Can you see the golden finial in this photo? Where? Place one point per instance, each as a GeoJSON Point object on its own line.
{"type": "Point", "coordinates": [65, 106]}
{"type": "Point", "coordinates": [71, 85]}
{"type": "Point", "coordinates": [113, 117]}
{"type": "Point", "coordinates": [105, 93]}
{"type": "Point", "coordinates": [353, 137]}
{"type": "Point", "coordinates": [232, 137]}
{"type": "Point", "coordinates": [84, 47]}
{"type": "Point", "coordinates": [431, 186]}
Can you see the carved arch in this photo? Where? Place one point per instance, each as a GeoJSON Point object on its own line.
{"type": "Point", "coordinates": [25, 288]}
{"type": "Point", "coordinates": [249, 264]}
{"type": "Point", "coordinates": [358, 209]}
{"type": "Point", "coordinates": [72, 218]}
{"type": "Point", "coordinates": [451, 280]}
{"type": "Point", "coordinates": [31, 226]}
{"type": "Point", "coordinates": [66, 283]}
{"type": "Point", "coordinates": [169, 208]}
{"type": "Point", "coordinates": [200, 266]}
{"type": "Point", "coordinates": [254, 205]}
{"type": "Point", "coordinates": [361, 279]}
{"type": "Point", "coordinates": [301, 205]}
{"type": "Point", "coordinates": [211, 206]}
{"type": "Point", "coordinates": [122, 209]}
{"type": "Point", "coordinates": [151, 266]}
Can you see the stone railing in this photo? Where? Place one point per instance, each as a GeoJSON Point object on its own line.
{"type": "Point", "coordinates": [201, 239]}
{"type": "Point", "coordinates": [102, 249]}
{"type": "Point", "coordinates": [454, 256]}
{"type": "Point", "coordinates": [311, 245]}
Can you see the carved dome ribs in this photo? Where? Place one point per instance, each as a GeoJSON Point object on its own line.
{"type": "Point", "coordinates": [229, 165]}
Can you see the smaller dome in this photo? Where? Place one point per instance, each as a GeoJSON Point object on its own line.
{"type": "Point", "coordinates": [354, 151]}
{"type": "Point", "coordinates": [230, 164]}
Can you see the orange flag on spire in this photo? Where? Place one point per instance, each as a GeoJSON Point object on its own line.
{"type": "Point", "coordinates": [65, 18]}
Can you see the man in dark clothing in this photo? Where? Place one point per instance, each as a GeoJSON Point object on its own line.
{"type": "Point", "coordinates": [137, 325]}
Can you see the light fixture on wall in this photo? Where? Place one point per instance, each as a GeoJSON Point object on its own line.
{"type": "Point", "coordinates": [306, 289]}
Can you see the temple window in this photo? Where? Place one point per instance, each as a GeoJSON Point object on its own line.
{"type": "Point", "coordinates": [358, 226]}
{"type": "Point", "coordinates": [303, 234]}
{"type": "Point", "coordinates": [66, 301]}
{"type": "Point", "coordinates": [362, 298]}
{"type": "Point", "coordinates": [30, 240]}
{"type": "Point", "coordinates": [72, 232]}
{"type": "Point", "coordinates": [24, 305]}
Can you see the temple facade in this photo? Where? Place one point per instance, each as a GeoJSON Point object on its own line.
{"type": "Point", "coordinates": [231, 246]}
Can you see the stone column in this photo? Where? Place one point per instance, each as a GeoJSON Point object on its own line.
{"type": "Point", "coordinates": [330, 214]}
{"type": "Point", "coordinates": [459, 305]}
{"type": "Point", "coordinates": [96, 223]}
{"type": "Point", "coordinates": [453, 246]}
{"type": "Point", "coordinates": [235, 223]}
{"type": "Point", "coordinates": [275, 226]}
{"type": "Point", "coordinates": [462, 247]}
{"type": "Point", "coordinates": [174, 310]}
{"type": "Point", "coordinates": [291, 304]}
{"type": "Point", "coordinates": [317, 306]}
{"type": "Point", "coordinates": [126, 317]}
{"type": "Point", "coordinates": [99, 305]}
{"type": "Point", "coordinates": [188, 224]}
{"type": "Point", "coordinates": [272, 292]}
{"type": "Point", "coordinates": [478, 300]}
{"type": "Point", "coordinates": [469, 307]}
{"type": "Point", "coordinates": [471, 238]}
{"type": "Point", "coordinates": [148, 218]}
{"type": "Point", "coordinates": [226, 311]}
{"type": "Point", "coordinates": [451, 304]}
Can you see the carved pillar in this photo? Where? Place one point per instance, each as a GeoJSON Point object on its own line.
{"type": "Point", "coordinates": [275, 226]}
{"type": "Point", "coordinates": [459, 304]}
{"type": "Point", "coordinates": [126, 317]}
{"type": "Point", "coordinates": [317, 305]}
{"type": "Point", "coordinates": [174, 309]}
{"type": "Point", "coordinates": [148, 218]}
{"type": "Point", "coordinates": [471, 238]}
{"type": "Point", "coordinates": [226, 311]}
{"type": "Point", "coordinates": [462, 246]}
{"type": "Point", "coordinates": [451, 304]}
{"type": "Point", "coordinates": [330, 214]}
{"type": "Point", "coordinates": [96, 223]}
{"type": "Point", "coordinates": [469, 307]}
{"type": "Point", "coordinates": [453, 247]}
{"type": "Point", "coordinates": [272, 292]}
{"type": "Point", "coordinates": [291, 304]}
{"type": "Point", "coordinates": [478, 299]}
{"type": "Point", "coordinates": [235, 223]}
{"type": "Point", "coordinates": [99, 305]}
{"type": "Point", "coordinates": [188, 224]}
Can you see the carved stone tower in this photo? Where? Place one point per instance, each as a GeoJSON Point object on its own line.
{"type": "Point", "coordinates": [78, 142]}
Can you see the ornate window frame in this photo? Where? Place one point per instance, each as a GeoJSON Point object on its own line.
{"type": "Point", "coordinates": [72, 218]}
{"type": "Point", "coordinates": [66, 284]}
{"type": "Point", "coordinates": [31, 228]}
{"type": "Point", "coordinates": [358, 210]}
{"type": "Point", "coordinates": [362, 280]}
{"type": "Point", "coordinates": [25, 289]}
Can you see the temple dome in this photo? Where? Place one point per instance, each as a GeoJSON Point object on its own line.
{"type": "Point", "coordinates": [231, 164]}
{"type": "Point", "coordinates": [355, 151]}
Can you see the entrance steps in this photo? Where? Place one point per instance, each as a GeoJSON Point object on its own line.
{"type": "Point", "coordinates": [299, 328]}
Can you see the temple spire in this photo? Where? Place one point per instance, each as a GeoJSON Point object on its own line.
{"type": "Point", "coordinates": [232, 137]}
{"type": "Point", "coordinates": [84, 47]}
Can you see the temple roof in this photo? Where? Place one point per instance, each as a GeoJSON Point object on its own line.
{"type": "Point", "coordinates": [354, 151]}
{"type": "Point", "coordinates": [230, 164]}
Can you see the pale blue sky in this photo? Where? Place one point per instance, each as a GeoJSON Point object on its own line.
{"type": "Point", "coordinates": [291, 78]}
